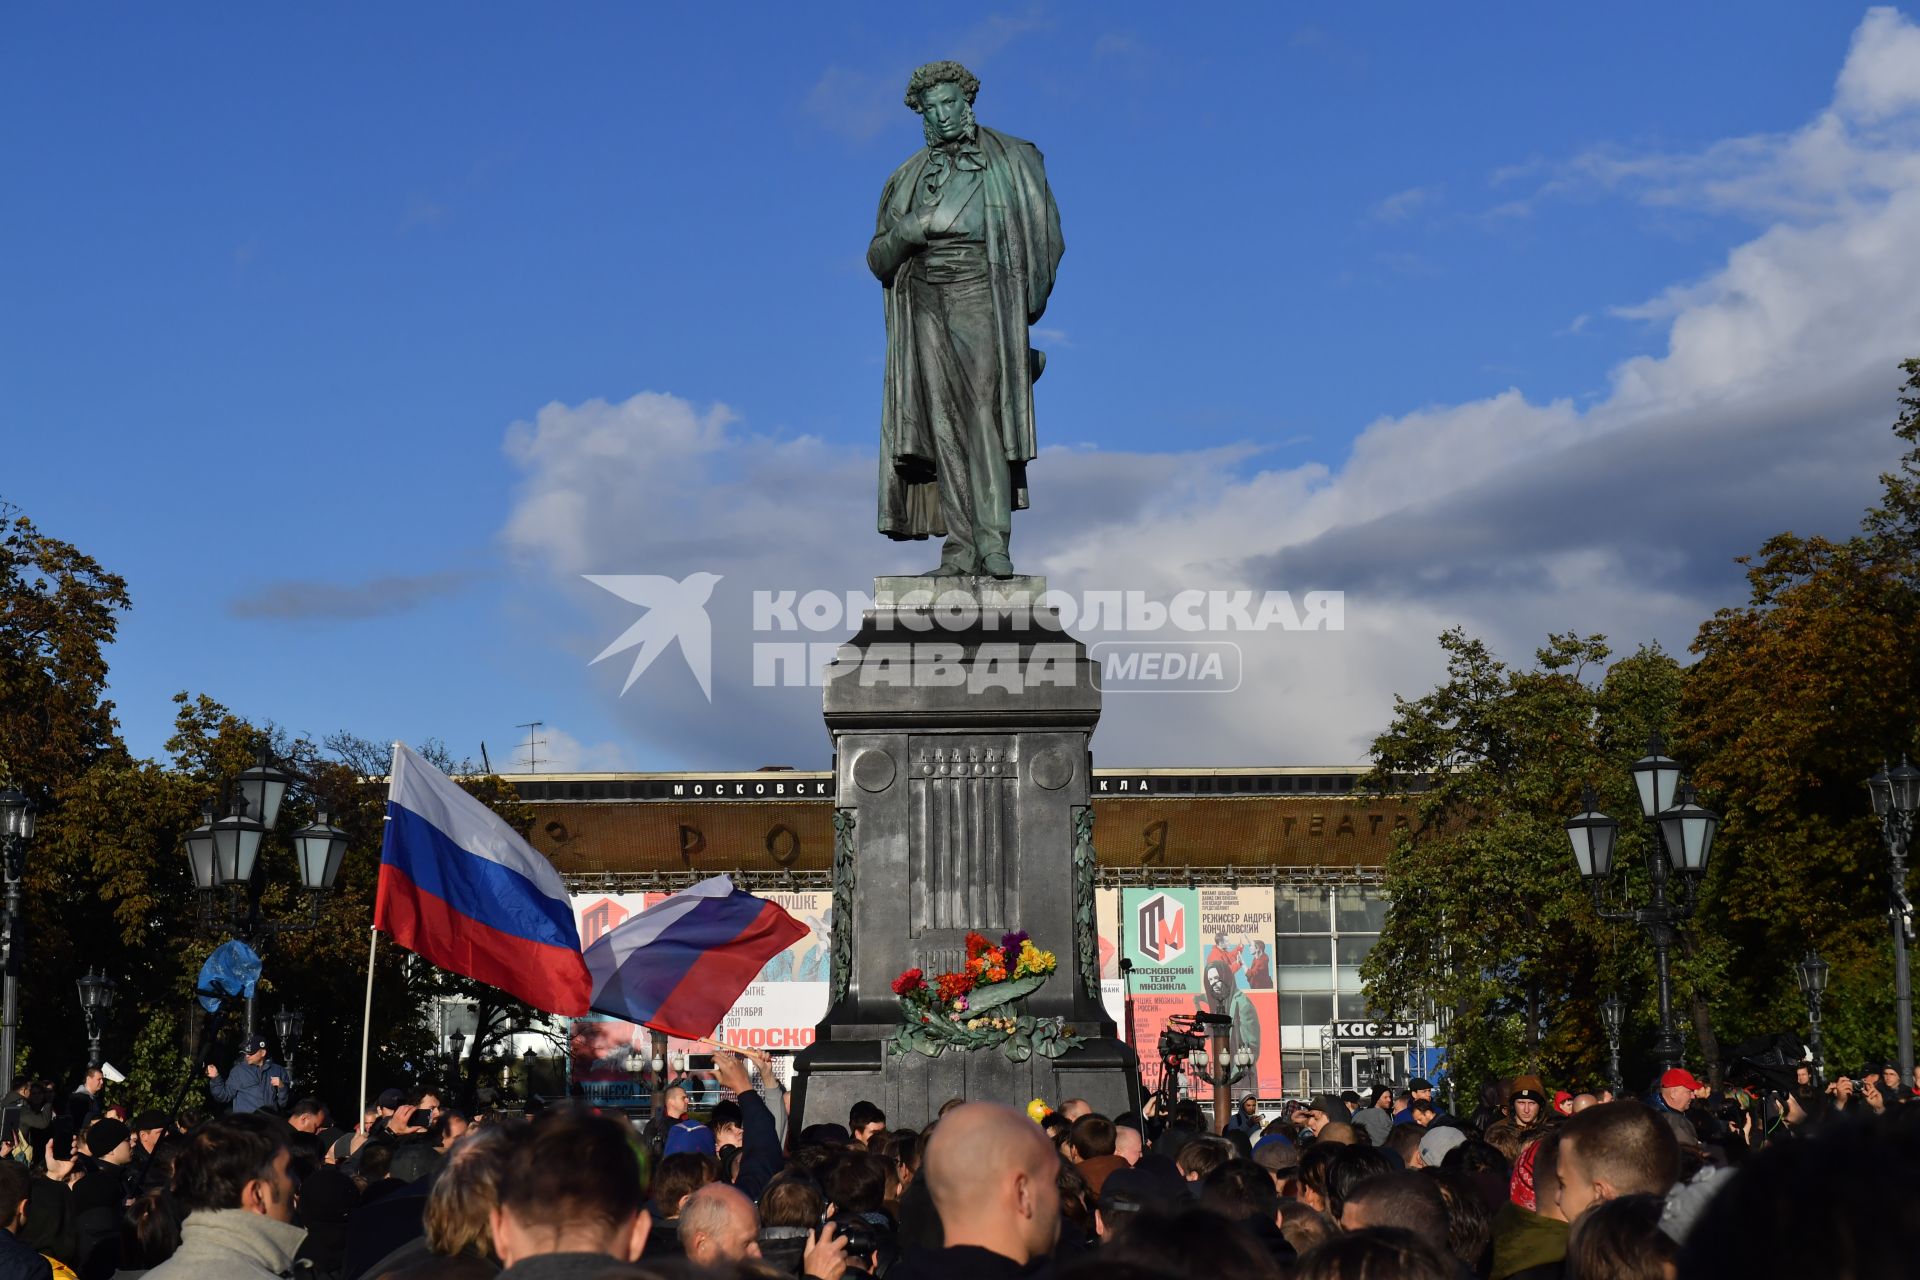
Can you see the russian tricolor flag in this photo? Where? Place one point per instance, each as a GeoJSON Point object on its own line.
{"type": "Point", "coordinates": [679, 965]}
{"type": "Point", "coordinates": [459, 887]}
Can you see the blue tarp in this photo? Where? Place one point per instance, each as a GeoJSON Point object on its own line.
{"type": "Point", "coordinates": [232, 970]}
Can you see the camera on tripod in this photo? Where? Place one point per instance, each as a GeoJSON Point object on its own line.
{"type": "Point", "coordinates": [1186, 1033]}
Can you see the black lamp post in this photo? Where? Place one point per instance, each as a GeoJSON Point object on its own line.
{"type": "Point", "coordinates": [223, 855]}
{"type": "Point", "coordinates": [1896, 794]}
{"type": "Point", "coordinates": [1682, 841]}
{"type": "Point", "coordinates": [96, 1001]}
{"type": "Point", "coordinates": [289, 1026]}
{"type": "Point", "coordinates": [527, 1061]}
{"type": "Point", "coordinates": [16, 829]}
{"type": "Point", "coordinates": [1811, 973]}
{"type": "Point", "coordinates": [458, 1043]}
{"type": "Point", "coordinates": [1613, 1015]}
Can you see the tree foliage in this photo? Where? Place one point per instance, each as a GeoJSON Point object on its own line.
{"type": "Point", "coordinates": [1489, 920]}
{"type": "Point", "coordinates": [107, 886]}
{"type": "Point", "coordinates": [1796, 697]}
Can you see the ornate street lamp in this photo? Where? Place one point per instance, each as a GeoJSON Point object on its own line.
{"type": "Point", "coordinates": [1592, 834]}
{"type": "Point", "coordinates": [320, 848]}
{"type": "Point", "coordinates": [1613, 1016]}
{"type": "Point", "coordinates": [289, 1028]}
{"type": "Point", "coordinates": [1655, 777]}
{"type": "Point", "coordinates": [1811, 973]}
{"type": "Point", "coordinates": [199, 842]}
{"type": "Point", "coordinates": [264, 787]}
{"type": "Point", "coordinates": [1688, 831]}
{"type": "Point", "coordinates": [236, 844]}
{"type": "Point", "coordinates": [1682, 841]}
{"type": "Point", "coordinates": [527, 1061]}
{"type": "Point", "coordinates": [457, 1043]}
{"type": "Point", "coordinates": [16, 830]}
{"type": "Point", "coordinates": [226, 851]}
{"type": "Point", "coordinates": [1896, 794]}
{"type": "Point", "coordinates": [96, 1001]}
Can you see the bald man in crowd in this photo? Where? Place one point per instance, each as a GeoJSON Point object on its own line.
{"type": "Point", "coordinates": [993, 1176]}
{"type": "Point", "coordinates": [719, 1226]}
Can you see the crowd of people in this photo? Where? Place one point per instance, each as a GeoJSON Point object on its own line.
{"type": "Point", "coordinates": [1779, 1179]}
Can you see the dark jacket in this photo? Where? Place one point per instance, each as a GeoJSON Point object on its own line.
{"type": "Point", "coordinates": [83, 1107]}
{"type": "Point", "coordinates": [961, 1262]}
{"type": "Point", "coordinates": [561, 1266]}
{"type": "Point", "coordinates": [760, 1154]}
{"type": "Point", "coordinates": [20, 1261]}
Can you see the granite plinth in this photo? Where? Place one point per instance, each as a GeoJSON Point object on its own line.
{"type": "Point", "coordinates": [961, 717]}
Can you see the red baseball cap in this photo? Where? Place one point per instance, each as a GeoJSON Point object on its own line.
{"type": "Point", "coordinates": [1679, 1078]}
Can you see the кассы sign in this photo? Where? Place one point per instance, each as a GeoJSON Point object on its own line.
{"type": "Point", "coordinates": [1373, 1030]}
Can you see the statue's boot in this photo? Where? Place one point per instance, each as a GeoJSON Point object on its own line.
{"type": "Point", "coordinates": [995, 565]}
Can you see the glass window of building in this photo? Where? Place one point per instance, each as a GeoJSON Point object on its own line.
{"type": "Point", "coordinates": [1298, 953]}
{"type": "Point", "coordinates": [1359, 910]}
{"type": "Point", "coordinates": [1301, 910]}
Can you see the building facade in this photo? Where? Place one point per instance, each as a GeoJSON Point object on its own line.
{"type": "Point", "coordinates": [1306, 841]}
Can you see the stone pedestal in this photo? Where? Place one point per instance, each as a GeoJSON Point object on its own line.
{"type": "Point", "coordinates": [961, 718]}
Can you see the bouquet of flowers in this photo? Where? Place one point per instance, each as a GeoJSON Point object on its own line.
{"type": "Point", "coordinates": [973, 1006]}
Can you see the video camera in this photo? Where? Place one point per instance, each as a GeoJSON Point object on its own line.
{"type": "Point", "coordinates": [1765, 1062]}
{"type": "Point", "coordinates": [1177, 1042]}
{"type": "Point", "coordinates": [1185, 1033]}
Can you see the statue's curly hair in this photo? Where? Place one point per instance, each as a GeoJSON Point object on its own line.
{"type": "Point", "coordinates": [924, 78]}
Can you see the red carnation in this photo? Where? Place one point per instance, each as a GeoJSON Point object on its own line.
{"type": "Point", "coordinates": [910, 981]}
{"type": "Point", "coordinates": [976, 943]}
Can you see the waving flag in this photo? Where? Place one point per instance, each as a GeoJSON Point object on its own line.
{"type": "Point", "coordinates": [679, 965]}
{"type": "Point", "coordinates": [461, 888]}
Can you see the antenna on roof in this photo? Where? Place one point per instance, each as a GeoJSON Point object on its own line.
{"type": "Point", "coordinates": [485, 764]}
{"type": "Point", "coordinates": [533, 744]}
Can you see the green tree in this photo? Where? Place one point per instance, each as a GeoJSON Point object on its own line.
{"type": "Point", "coordinates": [1797, 695]}
{"type": "Point", "coordinates": [108, 888]}
{"type": "Point", "coordinates": [1489, 919]}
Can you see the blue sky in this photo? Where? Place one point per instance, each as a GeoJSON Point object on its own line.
{"type": "Point", "coordinates": [283, 281]}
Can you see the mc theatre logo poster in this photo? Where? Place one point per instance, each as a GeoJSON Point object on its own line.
{"type": "Point", "coordinates": [1203, 949]}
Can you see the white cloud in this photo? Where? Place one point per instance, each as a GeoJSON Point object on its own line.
{"type": "Point", "coordinates": [1882, 73]}
{"type": "Point", "coordinates": [1404, 204]}
{"type": "Point", "coordinates": [1768, 409]}
{"type": "Point", "coordinates": [561, 752]}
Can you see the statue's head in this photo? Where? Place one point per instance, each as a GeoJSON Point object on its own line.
{"type": "Point", "coordinates": [942, 92]}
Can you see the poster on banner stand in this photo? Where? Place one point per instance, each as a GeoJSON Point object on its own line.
{"type": "Point", "coordinates": [1205, 949]}
{"type": "Point", "coordinates": [777, 1012]}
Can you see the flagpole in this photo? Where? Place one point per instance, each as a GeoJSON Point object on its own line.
{"type": "Point", "coordinates": [366, 1024]}
{"type": "Point", "coordinates": [373, 949]}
